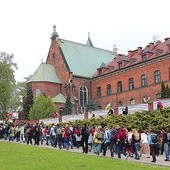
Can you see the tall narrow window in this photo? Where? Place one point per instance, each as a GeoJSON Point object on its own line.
{"type": "Point", "coordinates": [120, 65]}
{"type": "Point", "coordinates": [131, 84]}
{"type": "Point", "coordinates": [158, 96]}
{"type": "Point", "coordinates": [169, 73]}
{"type": "Point", "coordinates": [37, 92]}
{"type": "Point", "coordinates": [143, 80]}
{"type": "Point", "coordinates": [157, 76]}
{"type": "Point", "coordinates": [99, 92]}
{"type": "Point", "coordinates": [100, 72]}
{"type": "Point", "coordinates": [83, 96]}
{"type": "Point", "coordinates": [132, 101]}
{"type": "Point", "coordinates": [108, 89]}
{"type": "Point", "coordinates": [144, 58]}
{"type": "Point", "coordinates": [119, 86]}
{"type": "Point", "coordinates": [53, 57]}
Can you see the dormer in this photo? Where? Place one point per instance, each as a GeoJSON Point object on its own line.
{"type": "Point", "coordinates": [146, 53]}
{"type": "Point", "coordinates": [123, 61]}
{"type": "Point", "coordinates": [102, 69]}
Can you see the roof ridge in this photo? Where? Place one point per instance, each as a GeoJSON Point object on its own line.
{"type": "Point", "coordinates": [85, 45]}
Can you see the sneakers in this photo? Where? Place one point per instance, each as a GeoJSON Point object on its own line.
{"type": "Point", "coordinates": [166, 160]}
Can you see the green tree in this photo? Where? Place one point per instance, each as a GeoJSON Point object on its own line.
{"type": "Point", "coordinates": [163, 90]}
{"type": "Point", "coordinates": [27, 102]}
{"type": "Point", "coordinates": [68, 106]}
{"type": "Point", "coordinates": [90, 105]}
{"type": "Point", "coordinates": [7, 81]}
{"type": "Point", "coordinates": [42, 108]}
{"type": "Point", "coordinates": [167, 91]}
{"type": "Point", "coordinates": [19, 91]}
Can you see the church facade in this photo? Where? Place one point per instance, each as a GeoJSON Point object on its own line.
{"type": "Point", "coordinates": [85, 72]}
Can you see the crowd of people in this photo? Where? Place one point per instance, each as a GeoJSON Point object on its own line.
{"type": "Point", "coordinates": [99, 140]}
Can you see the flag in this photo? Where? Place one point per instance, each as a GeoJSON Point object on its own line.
{"type": "Point", "coordinates": [108, 106]}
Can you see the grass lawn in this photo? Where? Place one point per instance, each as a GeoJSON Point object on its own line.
{"type": "Point", "coordinates": [21, 157]}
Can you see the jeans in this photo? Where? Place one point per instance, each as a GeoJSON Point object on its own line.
{"type": "Point", "coordinates": [112, 148]}
{"type": "Point", "coordinates": [121, 149]}
{"type": "Point", "coordinates": [47, 140]}
{"type": "Point", "coordinates": [66, 142]}
{"type": "Point", "coordinates": [136, 146]}
{"type": "Point", "coordinates": [166, 150]}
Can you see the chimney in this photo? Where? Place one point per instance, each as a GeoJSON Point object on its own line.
{"type": "Point", "coordinates": [139, 50]}
{"type": "Point", "coordinates": [130, 53]}
{"type": "Point", "coordinates": [151, 45]}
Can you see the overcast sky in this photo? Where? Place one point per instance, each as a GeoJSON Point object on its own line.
{"type": "Point", "coordinates": [26, 26]}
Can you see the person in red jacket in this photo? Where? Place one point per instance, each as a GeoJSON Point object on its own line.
{"type": "Point", "coordinates": [120, 142]}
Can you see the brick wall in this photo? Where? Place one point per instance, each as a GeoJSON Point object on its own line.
{"type": "Point", "coordinates": [135, 72]}
{"type": "Point", "coordinates": [49, 89]}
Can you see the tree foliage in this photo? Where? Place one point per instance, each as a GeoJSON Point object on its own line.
{"type": "Point", "coordinates": [7, 81]}
{"type": "Point", "coordinates": [42, 108]}
{"type": "Point", "coordinates": [19, 91]}
{"type": "Point", "coordinates": [141, 121]}
{"type": "Point", "coordinates": [165, 91]}
{"type": "Point", "coordinates": [27, 102]}
{"type": "Point", "coordinates": [90, 105]}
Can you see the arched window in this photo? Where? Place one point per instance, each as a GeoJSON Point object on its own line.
{"type": "Point", "coordinates": [131, 84]}
{"type": "Point", "coordinates": [108, 90]}
{"type": "Point", "coordinates": [119, 86]}
{"type": "Point", "coordinates": [99, 92]}
{"type": "Point", "coordinates": [157, 76]}
{"type": "Point", "coordinates": [37, 92]}
{"type": "Point", "coordinates": [143, 80]}
{"type": "Point", "coordinates": [158, 96]}
{"type": "Point", "coordinates": [132, 101]}
{"type": "Point", "coordinates": [83, 96]}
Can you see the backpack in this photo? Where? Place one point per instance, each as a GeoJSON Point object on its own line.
{"type": "Point", "coordinates": [154, 138]}
{"type": "Point", "coordinates": [68, 131]}
{"type": "Point", "coordinates": [37, 129]}
{"type": "Point", "coordinates": [87, 132]}
{"type": "Point", "coordinates": [112, 134]}
{"type": "Point", "coordinates": [99, 136]}
{"type": "Point", "coordinates": [59, 131]}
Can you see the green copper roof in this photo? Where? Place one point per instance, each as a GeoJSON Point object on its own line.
{"type": "Point", "coordinates": [84, 60]}
{"type": "Point", "coordinates": [45, 73]}
{"type": "Point", "coordinates": [59, 98]}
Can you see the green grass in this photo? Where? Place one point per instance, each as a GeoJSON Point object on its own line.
{"type": "Point", "coordinates": [22, 157]}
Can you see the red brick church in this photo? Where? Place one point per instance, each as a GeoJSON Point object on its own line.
{"type": "Point", "coordinates": [85, 71]}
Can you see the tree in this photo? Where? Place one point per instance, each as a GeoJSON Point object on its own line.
{"type": "Point", "coordinates": [68, 106]}
{"type": "Point", "coordinates": [163, 90]}
{"type": "Point", "coordinates": [19, 91]}
{"type": "Point", "coordinates": [90, 105]}
{"type": "Point", "coordinates": [167, 91]}
{"type": "Point", "coordinates": [7, 81]}
{"type": "Point", "coordinates": [42, 108]}
{"type": "Point", "coordinates": [27, 102]}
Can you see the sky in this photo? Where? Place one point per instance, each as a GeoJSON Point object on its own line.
{"type": "Point", "coordinates": [26, 26]}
